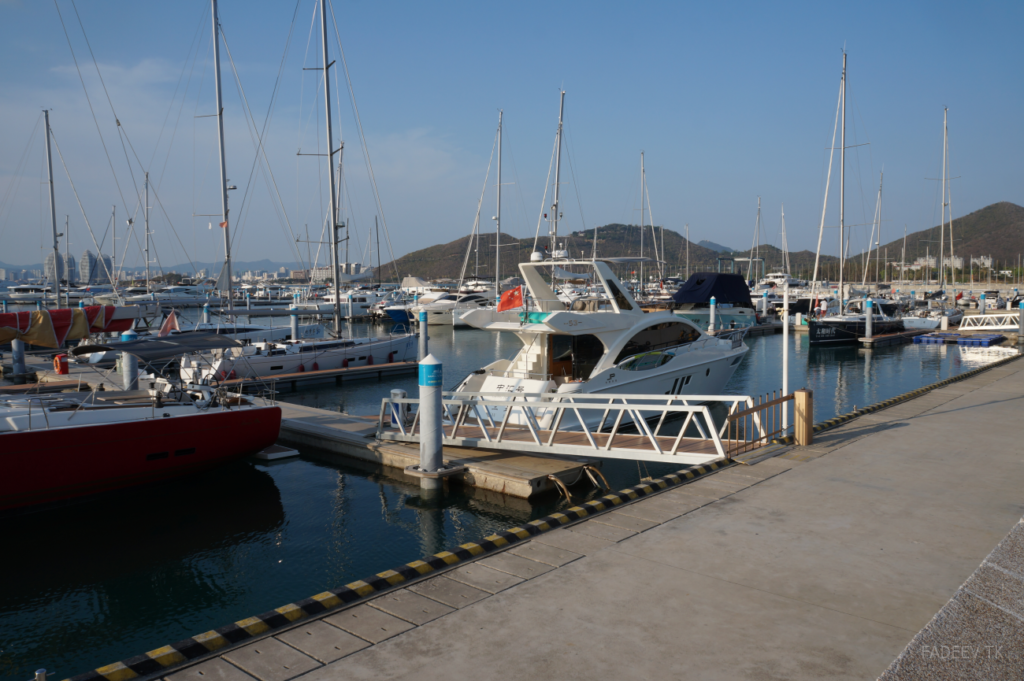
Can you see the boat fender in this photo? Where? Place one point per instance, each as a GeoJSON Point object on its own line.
{"type": "Point", "coordinates": [302, 367]}
{"type": "Point", "coordinates": [369, 360]}
{"type": "Point", "coordinates": [316, 366]}
{"type": "Point", "coordinates": [391, 357]}
{"type": "Point", "coordinates": [223, 374]}
{"type": "Point", "coordinates": [232, 374]}
{"type": "Point", "coordinates": [344, 363]}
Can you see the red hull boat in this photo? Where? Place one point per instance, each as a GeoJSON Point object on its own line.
{"type": "Point", "coordinates": [47, 465]}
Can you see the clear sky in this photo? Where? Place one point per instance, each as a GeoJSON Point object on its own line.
{"type": "Point", "coordinates": [730, 101]}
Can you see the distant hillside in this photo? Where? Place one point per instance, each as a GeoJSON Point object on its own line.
{"type": "Point", "coordinates": [996, 230]}
{"type": "Point", "coordinates": [714, 247]}
{"type": "Point", "coordinates": [444, 261]}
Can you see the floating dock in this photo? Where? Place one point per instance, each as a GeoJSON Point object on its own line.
{"type": "Point", "coordinates": [898, 338]}
{"type": "Point", "coordinates": [511, 473]}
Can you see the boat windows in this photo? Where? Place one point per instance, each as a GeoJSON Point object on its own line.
{"type": "Point", "coordinates": [658, 337]}
{"type": "Point", "coordinates": [184, 452]}
{"type": "Point", "coordinates": [156, 455]}
{"type": "Point", "coordinates": [645, 361]}
{"type": "Point", "coordinates": [615, 293]}
{"type": "Point", "coordinates": [277, 368]}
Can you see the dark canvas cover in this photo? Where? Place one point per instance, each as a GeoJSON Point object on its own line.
{"type": "Point", "coordinates": [726, 288]}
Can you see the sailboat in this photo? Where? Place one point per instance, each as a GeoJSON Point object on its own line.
{"type": "Point", "coordinates": [849, 325]}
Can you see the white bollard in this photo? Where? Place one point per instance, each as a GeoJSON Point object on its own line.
{"type": "Point", "coordinates": [350, 306]}
{"type": "Point", "coordinates": [18, 357]}
{"type": "Point", "coordinates": [799, 319]}
{"type": "Point", "coordinates": [423, 337]}
{"type": "Point", "coordinates": [129, 363]}
{"type": "Point", "coordinates": [206, 313]}
{"type": "Point", "coordinates": [248, 301]}
{"type": "Point", "coordinates": [869, 319]}
{"type": "Point", "coordinates": [714, 303]}
{"type": "Point", "coordinates": [944, 322]}
{"type": "Point", "coordinates": [430, 421]}
{"type": "Point", "coordinates": [295, 323]}
{"type": "Point", "coordinates": [981, 304]}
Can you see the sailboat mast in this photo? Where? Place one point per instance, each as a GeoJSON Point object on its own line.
{"type": "Point", "coordinates": [942, 224]}
{"type": "Point", "coordinates": [643, 178]}
{"type": "Point", "coordinates": [497, 220]}
{"type": "Point", "coordinates": [330, 172]}
{"type": "Point", "coordinates": [842, 189]}
{"type": "Point", "coordinates": [145, 212]}
{"type": "Point", "coordinates": [226, 274]}
{"type": "Point", "coordinates": [53, 213]}
{"type": "Point", "coordinates": [558, 174]}
{"type": "Point", "coordinates": [878, 238]}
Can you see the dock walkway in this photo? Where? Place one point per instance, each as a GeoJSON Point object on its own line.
{"type": "Point", "coordinates": [819, 562]}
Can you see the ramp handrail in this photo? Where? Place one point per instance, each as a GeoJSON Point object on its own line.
{"type": "Point", "coordinates": [1001, 321]}
{"type": "Point", "coordinates": [763, 422]}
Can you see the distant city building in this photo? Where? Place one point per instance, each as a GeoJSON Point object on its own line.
{"type": "Point", "coordinates": [35, 274]}
{"type": "Point", "coordinates": [956, 262]}
{"type": "Point", "coordinates": [301, 275]}
{"type": "Point", "coordinates": [982, 261]}
{"type": "Point", "coordinates": [3, 274]}
{"type": "Point", "coordinates": [928, 261]}
{"type": "Point", "coordinates": [95, 271]}
{"type": "Point", "coordinates": [282, 272]}
{"type": "Point", "coordinates": [67, 269]}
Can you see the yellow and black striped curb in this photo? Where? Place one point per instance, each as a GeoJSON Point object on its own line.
{"type": "Point", "coordinates": [193, 648]}
{"type": "Point", "coordinates": [839, 420]}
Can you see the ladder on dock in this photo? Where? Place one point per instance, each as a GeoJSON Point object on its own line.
{"type": "Point", "coordinates": [612, 427]}
{"type": "Point", "coordinates": [1004, 321]}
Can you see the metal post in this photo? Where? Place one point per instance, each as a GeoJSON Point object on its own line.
{"type": "Point", "coordinates": [295, 323]}
{"type": "Point", "coordinates": [129, 363]}
{"type": "Point", "coordinates": [18, 356]}
{"type": "Point", "coordinates": [206, 313]}
{"type": "Point", "coordinates": [225, 222]}
{"type": "Point", "coordinates": [350, 310]}
{"type": "Point", "coordinates": [430, 421]}
{"type": "Point", "coordinates": [3, 303]}
{"type": "Point", "coordinates": [785, 355]}
{"type": "Point", "coordinates": [399, 411]}
{"type": "Point", "coordinates": [981, 304]}
{"type": "Point", "coordinates": [40, 675]}
{"type": "Point", "coordinates": [714, 304]}
{"type": "Point", "coordinates": [248, 301]}
{"type": "Point", "coordinates": [869, 318]}
{"type": "Point", "coordinates": [423, 337]}
{"type": "Point", "coordinates": [53, 216]}
{"type": "Point", "coordinates": [1020, 324]}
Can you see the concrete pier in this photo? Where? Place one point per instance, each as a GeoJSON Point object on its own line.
{"type": "Point", "coordinates": [818, 562]}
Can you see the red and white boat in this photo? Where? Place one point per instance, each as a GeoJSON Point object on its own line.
{"type": "Point", "coordinates": [57, 448]}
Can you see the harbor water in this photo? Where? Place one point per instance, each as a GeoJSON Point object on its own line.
{"type": "Point", "coordinates": [115, 577]}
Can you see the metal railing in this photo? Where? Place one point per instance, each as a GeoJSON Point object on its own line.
{"type": "Point", "coordinates": [618, 426]}
{"type": "Point", "coordinates": [1005, 321]}
{"type": "Point", "coordinates": [759, 424]}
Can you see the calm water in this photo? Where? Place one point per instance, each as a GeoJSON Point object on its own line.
{"type": "Point", "coordinates": [116, 577]}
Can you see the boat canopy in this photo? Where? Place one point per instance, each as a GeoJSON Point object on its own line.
{"type": "Point", "coordinates": [163, 348]}
{"type": "Point", "coordinates": [726, 288]}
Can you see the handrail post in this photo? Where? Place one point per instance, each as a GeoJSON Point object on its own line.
{"type": "Point", "coordinates": [803, 426]}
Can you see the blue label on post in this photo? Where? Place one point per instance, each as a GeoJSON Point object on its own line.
{"type": "Point", "coordinates": [430, 375]}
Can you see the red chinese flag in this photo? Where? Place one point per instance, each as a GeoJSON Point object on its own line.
{"type": "Point", "coordinates": [960, 295]}
{"type": "Point", "coordinates": [223, 224]}
{"type": "Point", "coordinates": [511, 299]}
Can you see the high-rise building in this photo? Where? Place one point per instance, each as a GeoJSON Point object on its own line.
{"type": "Point", "coordinates": [95, 271]}
{"type": "Point", "coordinates": [67, 268]}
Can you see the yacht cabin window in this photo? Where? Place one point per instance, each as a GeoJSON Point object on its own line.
{"type": "Point", "coordinates": [659, 337]}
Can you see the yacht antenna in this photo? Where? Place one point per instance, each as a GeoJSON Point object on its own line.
{"type": "Point", "coordinates": [558, 174]}
{"type": "Point", "coordinates": [226, 274]}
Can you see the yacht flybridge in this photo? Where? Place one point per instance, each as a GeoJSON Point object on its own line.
{"type": "Point", "coordinates": [601, 342]}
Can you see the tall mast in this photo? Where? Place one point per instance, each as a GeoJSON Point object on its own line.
{"type": "Point", "coordinates": [67, 259]}
{"type": "Point", "coordinates": [942, 224]}
{"type": "Point", "coordinates": [145, 212]}
{"type": "Point", "coordinates": [842, 189]}
{"type": "Point", "coordinates": [878, 238]}
{"type": "Point", "coordinates": [903, 256]}
{"type": "Point", "coordinates": [785, 243]}
{"type": "Point", "coordinates": [226, 274]}
{"type": "Point", "coordinates": [642, 180]}
{"type": "Point", "coordinates": [113, 246]}
{"type": "Point", "coordinates": [376, 228]}
{"type": "Point", "coordinates": [558, 174]}
{"type": "Point", "coordinates": [330, 173]}
{"type": "Point", "coordinates": [53, 213]}
{"type": "Point", "coordinates": [687, 250]}
{"type": "Point", "coordinates": [497, 221]}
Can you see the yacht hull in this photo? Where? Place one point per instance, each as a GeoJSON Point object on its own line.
{"type": "Point", "coordinates": [49, 466]}
{"type": "Point", "coordinates": [848, 332]}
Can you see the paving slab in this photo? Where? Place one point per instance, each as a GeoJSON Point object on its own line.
{"type": "Point", "coordinates": [601, 530]}
{"type": "Point", "coordinates": [625, 521]}
{"type": "Point", "coordinates": [369, 623]}
{"type": "Point", "coordinates": [217, 669]}
{"type": "Point", "coordinates": [654, 509]}
{"type": "Point", "coordinates": [485, 578]}
{"type": "Point", "coordinates": [448, 591]}
{"type": "Point", "coordinates": [543, 553]}
{"type": "Point", "coordinates": [516, 565]}
{"type": "Point", "coordinates": [411, 606]}
{"type": "Point", "coordinates": [576, 542]}
{"type": "Point", "coordinates": [322, 641]}
{"type": "Point", "coordinates": [271, 660]}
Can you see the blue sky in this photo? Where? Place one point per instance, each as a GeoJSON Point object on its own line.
{"type": "Point", "coordinates": [730, 101]}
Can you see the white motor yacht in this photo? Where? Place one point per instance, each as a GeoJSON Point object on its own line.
{"type": "Point", "coordinates": [448, 309]}
{"type": "Point", "coordinates": [602, 343]}
{"type": "Point", "coordinates": [28, 293]}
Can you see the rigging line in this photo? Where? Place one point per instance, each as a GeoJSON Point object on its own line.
{"type": "Point", "coordinates": [300, 130]}
{"type": "Point", "coordinates": [479, 206]}
{"type": "Point", "coordinates": [515, 173]}
{"type": "Point", "coordinates": [81, 208]}
{"type": "Point", "coordinates": [89, 102]}
{"type": "Point", "coordinates": [362, 139]}
{"type": "Point", "coordinates": [572, 169]}
{"type": "Point", "coordinates": [260, 150]}
{"type": "Point", "coordinates": [544, 199]}
{"type": "Point", "coordinates": [174, 231]}
{"type": "Point", "coordinates": [19, 169]}
{"type": "Point", "coordinates": [828, 180]}
{"type": "Point", "coordinates": [170, 107]}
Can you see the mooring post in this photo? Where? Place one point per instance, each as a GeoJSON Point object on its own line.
{"type": "Point", "coordinates": [944, 322]}
{"type": "Point", "coordinates": [350, 306]}
{"type": "Point", "coordinates": [785, 355]}
{"type": "Point", "coordinates": [17, 356]}
{"type": "Point", "coordinates": [39, 304]}
{"type": "Point", "coordinates": [869, 318]}
{"type": "Point", "coordinates": [4, 303]}
{"type": "Point", "coordinates": [423, 337]}
{"type": "Point", "coordinates": [430, 422]}
{"type": "Point", "coordinates": [206, 313]}
{"type": "Point", "coordinates": [295, 322]}
{"type": "Point", "coordinates": [798, 319]}
{"type": "Point", "coordinates": [40, 675]}
{"type": "Point", "coordinates": [803, 426]}
{"type": "Point", "coordinates": [81, 304]}
{"type": "Point", "coordinates": [981, 304]}
{"type": "Point", "coordinates": [248, 301]}
{"type": "Point", "coordinates": [129, 363]}
{"type": "Point", "coordinates": [714, 304]}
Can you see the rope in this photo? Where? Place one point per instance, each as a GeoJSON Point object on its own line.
{"type": "Point", "coordinates": [543, 201]}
